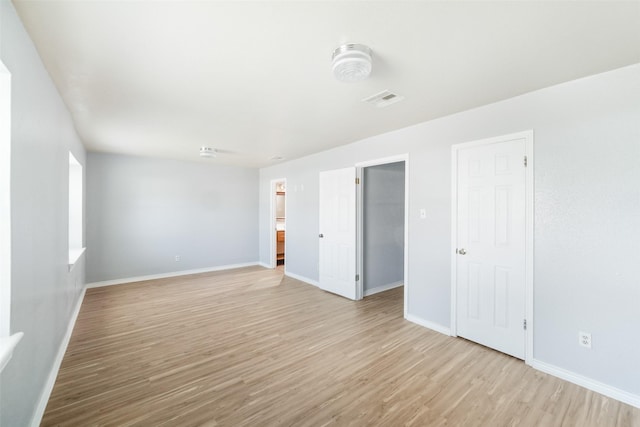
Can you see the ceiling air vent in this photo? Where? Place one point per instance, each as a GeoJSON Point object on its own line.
{"type": "Point", "coordinates": [384, 98]}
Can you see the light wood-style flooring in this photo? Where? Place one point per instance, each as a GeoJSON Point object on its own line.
{"type": "Point", "coordinates": [248, 347]}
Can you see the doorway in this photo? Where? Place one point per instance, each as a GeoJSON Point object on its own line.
{"type": "Point", "coordinates": [492, 239]}
{"type": "Point", "coordinates": [278, 223]}
{"type": "Point", "coordinates": [340, 234]}
{"type": "Point", "coordinates": [383, 218]}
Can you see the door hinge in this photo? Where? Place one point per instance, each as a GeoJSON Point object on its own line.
{"type": "Point", "coordinates": [357, 277]}
{"type": "Point", "coordinates": [525, 161]}
{"type": "Point", "coordinates": [357, 180]}
{"type": "Point", "coordinates": [524, 324]}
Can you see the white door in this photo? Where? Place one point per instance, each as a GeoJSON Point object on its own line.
{"type": "Point", "coordinates": [491, 245]}
{"type": "Point", "coordinates": [337, 234]}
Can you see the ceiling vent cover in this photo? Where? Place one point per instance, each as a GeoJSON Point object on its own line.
{"type": "Point", "coordinates": [383, 99]}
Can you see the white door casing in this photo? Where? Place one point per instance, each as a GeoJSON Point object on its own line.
{"type": "Point", "coordinates": [360, 220]}
{"type": "Point", "coordinates": [337, 232]}
{"type": "Point", "coordinates": [491, 236]}
{"type": "Point", "coordinates": [273, 190]}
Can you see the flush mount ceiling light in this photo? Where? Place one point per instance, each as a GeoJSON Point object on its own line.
{"type": "Point", "coordinates": [207, 152]}
{"type": "Point", "coordinates": [351, 62]}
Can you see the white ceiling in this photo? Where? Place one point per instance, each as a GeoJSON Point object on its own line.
{"type": "Point", "coordinates": [253, 79]}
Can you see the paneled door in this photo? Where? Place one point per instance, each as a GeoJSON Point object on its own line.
{"type": "Point", "coordinates": [337, 233]}
{"type": "Point", "coordinates": [491, 245]}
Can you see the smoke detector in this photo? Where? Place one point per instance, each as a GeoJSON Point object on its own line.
{"type": "Point", "coordinates": [207, 152]}
{"type": "Point", "coordinates": [351, 62]}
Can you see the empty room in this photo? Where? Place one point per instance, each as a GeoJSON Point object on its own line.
{"type": "Point", "coordinates": [312, 213]}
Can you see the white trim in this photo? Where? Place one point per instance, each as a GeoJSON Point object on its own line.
{"type": "Point", "coordinates": [273, 233]}
{"type": "Point", "coordinates": [7, 345]}
{"type": "Point", "coordinates": [74, 256]}
{"type": "Point", "coordinates": [427, 324]}
{"type": "Point", "coordinates": [53, 374]}
{"type": "Point", "coordinates": [359, 203]}
{"type": "Point", "coordinates": [272, 224]}
{"type": "Point", "coordinates": [529, 246]}
{"type": "Point", "coordinates": [406, 235]}
{"type": "Point", "coordinates": [75, 209]}
{"type": "Point", "coordinates": [302, 278]}
{"type": "Point", "coordinates": [597, 386]}
{"type": "Point", "coordinates": [5, 201]}
{"type": "Point", "coordinates": [454, 242]}
{"type": "Point", "coordinates": [265, 265]}
{"type": "Point", "coordinates": [383, 161]}
{"type": "Point", "coordinates": [360, 233]}
{"type": "Point", "coordinates": [382, 288]}
{"type": "Point", "coordinates": [529, 230]}
{"type": "Point", "coordinates": [166, 275]}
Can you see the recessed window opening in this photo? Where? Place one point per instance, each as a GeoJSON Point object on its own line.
{"type": "Point", "coordinates": [5, 201]}
{"type": "Point", "coordinates": [7, 343]}
{"type": "Point", "coordinates": [75, 210]}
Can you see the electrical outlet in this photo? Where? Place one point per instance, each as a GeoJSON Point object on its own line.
{"type": "Point", "coordinates": [584, 339]}
{"type": "Point", "coordinates": [177, 258]}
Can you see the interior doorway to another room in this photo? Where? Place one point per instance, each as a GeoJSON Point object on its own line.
{"type": "Point", "coordinates": [279, 223]}
{"type": "Point", "coordinates": [363, 228]}
{"type": "Point", "coordinates": [383, 219]}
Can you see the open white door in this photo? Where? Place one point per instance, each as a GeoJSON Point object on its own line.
{"type": "Point", "coordinates": [337, 234]}
{"type": "Point", "coordinates": [491, 244]}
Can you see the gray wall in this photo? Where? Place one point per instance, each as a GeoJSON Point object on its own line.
{"type": "Point", "coordinates": [587, 210]}
{"type": "Point", "coordinates": [44, 292]}
{"type": "Point", "coordinates": [383, 225]}
{"type": "Point", "coordinates": [142, 212]}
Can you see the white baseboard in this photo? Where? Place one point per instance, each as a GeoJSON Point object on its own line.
{"type": "Point", "coordinates": [593, 385]}
{"type": "Point", "coordinates": [572, 377]}
{"type": "Point", "coordinates": [433, 326]}
{"type": "Point", "coordinates": [53, 374]}
{"type": "Point", "coordinates": [166, 275]}
{"type": "Point", "coordinates": [382, 288]}
{"type": "Point", "coordinates": [302, 278]}
{"type": "Point", "coordinates": [264, 264]}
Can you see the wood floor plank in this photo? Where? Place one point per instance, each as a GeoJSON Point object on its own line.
{"type": "Point", "coordinates": [250, 347]}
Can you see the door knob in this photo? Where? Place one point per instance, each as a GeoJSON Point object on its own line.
{"type": "Point", "coordinates": [462, 251]}
{"type": "Point", "coordinates": [321, 235]}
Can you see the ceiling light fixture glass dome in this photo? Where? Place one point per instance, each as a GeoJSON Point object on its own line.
{"type": "Point", "coordinates": [351, 62]}
{"type": "Point", "coordinates": [207, 152]}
